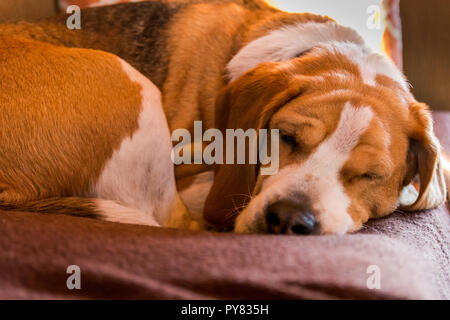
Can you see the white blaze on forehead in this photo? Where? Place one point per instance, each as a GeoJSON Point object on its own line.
{"type": "Point", "coordinates": [352, 124]}
{"type": "Point", "coordinates": [317, 177]}
{"type": "Point", "coordinates": [287, 43]}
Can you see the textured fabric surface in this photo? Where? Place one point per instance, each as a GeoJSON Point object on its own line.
{"type": "Point", "coordinates": [124, 261]}
{"type": "Point", "coordinates": [411, 251]}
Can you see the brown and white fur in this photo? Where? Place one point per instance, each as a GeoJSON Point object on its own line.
{"type": "Point", "coordinates": [360, 137]}
{"type": "Point", "coordinates": [83, 133]}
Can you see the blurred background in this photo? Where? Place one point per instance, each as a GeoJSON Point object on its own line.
{"type": "Point", "coordinates": [414, 33]}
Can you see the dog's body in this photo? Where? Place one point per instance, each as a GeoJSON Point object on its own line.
{"type": "Point", "coordinates": [79, 132]}
{"type": "Point", "coordinates": [256, 61]}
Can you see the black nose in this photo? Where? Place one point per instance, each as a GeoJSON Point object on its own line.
{"type": "Point", "coordinates": [290, 217]}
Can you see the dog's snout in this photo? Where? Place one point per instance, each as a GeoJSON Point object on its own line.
{"type": "Point", "coordinates": [290, 217]}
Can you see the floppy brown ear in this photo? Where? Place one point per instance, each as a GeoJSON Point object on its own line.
{"type": "Point", "coordinates": [248, 102]}
{"type": "Point", "coordinates": [425, 159]}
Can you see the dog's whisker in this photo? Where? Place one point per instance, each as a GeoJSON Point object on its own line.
{"type": "Point", "coordinates": [231, 215]}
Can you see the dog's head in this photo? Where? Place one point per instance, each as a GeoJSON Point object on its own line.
{"type": "Point", "coordinates": [352, 140]}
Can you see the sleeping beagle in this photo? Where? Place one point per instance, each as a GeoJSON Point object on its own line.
{"type": "Point", "coordinates": [353, 138]}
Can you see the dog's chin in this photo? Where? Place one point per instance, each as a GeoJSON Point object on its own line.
{"type": "Point", "coordinates": [247, 223]}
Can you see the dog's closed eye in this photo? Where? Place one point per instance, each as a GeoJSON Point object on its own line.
{"type": "Point", "coordinates": [369, 176]}
{"type": "Point", "coordinates": [288, 139]}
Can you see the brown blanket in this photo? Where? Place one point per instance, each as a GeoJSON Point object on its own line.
{"type": "Point", "coordinates": [411, 252]}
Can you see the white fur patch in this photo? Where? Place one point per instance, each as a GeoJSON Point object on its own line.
{"type": "Point", "coordinates": [140, 174]}
{"type": "Point", "coordinates": [317, 178]}
{"type": "Point", "coordinates": [326, 38]}
{"type": "Point", "coordinates": [113, 212]}
{"type": "Point", "coordinates": [408, 196]}
{"type": "Point", "coordinates": [288, 42]}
